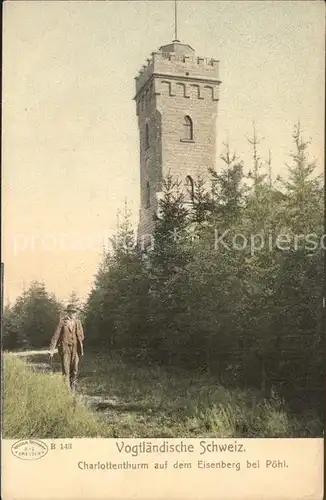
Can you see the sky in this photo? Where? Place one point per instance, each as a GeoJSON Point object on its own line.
{"type": "Point", "coordinates": [70, 155]}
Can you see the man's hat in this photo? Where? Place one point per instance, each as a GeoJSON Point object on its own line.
{"type": "Point", "coordinates": [71, 308]}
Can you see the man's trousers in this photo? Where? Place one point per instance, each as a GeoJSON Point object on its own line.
{"type": "Point", "coordinates": [69, 362]}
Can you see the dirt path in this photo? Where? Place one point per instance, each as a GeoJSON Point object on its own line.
{"type": "Point", "coordinates": [98, 403]}
{"type": "Point", "coordinates": [30, 353]}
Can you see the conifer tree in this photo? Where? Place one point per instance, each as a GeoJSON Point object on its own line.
{"type": "Point", "coordinates": [228, 189]}
{"type": "Point", "coordinates": [30, 321]}
{"type": "Point", "coordinates": [304, 194]}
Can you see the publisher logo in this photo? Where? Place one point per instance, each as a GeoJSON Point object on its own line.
{"type": "Point", "coordinates": [29, 449]}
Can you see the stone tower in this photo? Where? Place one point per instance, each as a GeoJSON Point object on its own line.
{"type": "Point", "coordinates": [176, 101]}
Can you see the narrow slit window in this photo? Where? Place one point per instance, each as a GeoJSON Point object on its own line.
{"type": "Point", "coordinates": [148, 195]}
{"type": "Point", "coordinates": [190, 187]}
{"type": "Point", "coordinates": [147, 136]}
{"type": "Point", "coordinates": [187, 129]}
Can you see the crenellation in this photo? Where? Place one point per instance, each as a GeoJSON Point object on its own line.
{"type": "Point", "coordinates": [170, 63]}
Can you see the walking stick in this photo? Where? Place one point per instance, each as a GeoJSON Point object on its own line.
{"type": "Point", "coordinates": [51, 363]}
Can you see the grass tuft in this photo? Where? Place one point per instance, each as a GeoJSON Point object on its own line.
{"type": "Point", "coordinates": [39, 405]}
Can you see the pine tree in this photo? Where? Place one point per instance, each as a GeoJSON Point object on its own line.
{"type": "Point", "coordinates": [228, 190]}
{"type": "Point", "coordinates": [304, 200]}
{"type": "Point", "coordinates": [31, 320]}
{"type": "Point", "coordinates": [116, 308]}
{"type": "Point", "coordinates": [170, 233]}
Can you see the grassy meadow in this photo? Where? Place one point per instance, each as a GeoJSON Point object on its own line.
{"type": "Point", "coordinates": [146, 402]}
{"type": "Point", "coordinates": [38, 405]}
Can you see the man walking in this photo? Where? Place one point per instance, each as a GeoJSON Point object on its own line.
{"type": "Point", "coordinates": [69, 337]}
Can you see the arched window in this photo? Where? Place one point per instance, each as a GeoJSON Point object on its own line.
{"type": "Point", "coordinates": [189, 183]}
{"type": "Point", "coordinates": [187, 129]}
{"type": "Point", "coordinates": [147, 195]}
{"type": "Point", "coordinates": [147, 136]}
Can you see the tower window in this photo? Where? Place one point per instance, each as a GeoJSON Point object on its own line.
{"type": "Point", "coordinates": [147, 136]}
{"type": "Point", "coordinates": [189, 183]}
{"type": "Point", "coordinates": [148, 195]}
{"type": "Point", "coordinates": [187, 129]}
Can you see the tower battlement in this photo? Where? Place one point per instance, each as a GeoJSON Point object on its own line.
{"type": "Point", "coordinates": [176, 61]}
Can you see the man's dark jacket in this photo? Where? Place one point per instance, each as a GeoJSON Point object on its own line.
{"type": "Point", "coordinates": [63, 334]}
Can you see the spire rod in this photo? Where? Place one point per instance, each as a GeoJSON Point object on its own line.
{"type": "Point", "coordinates": [175, 22]}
